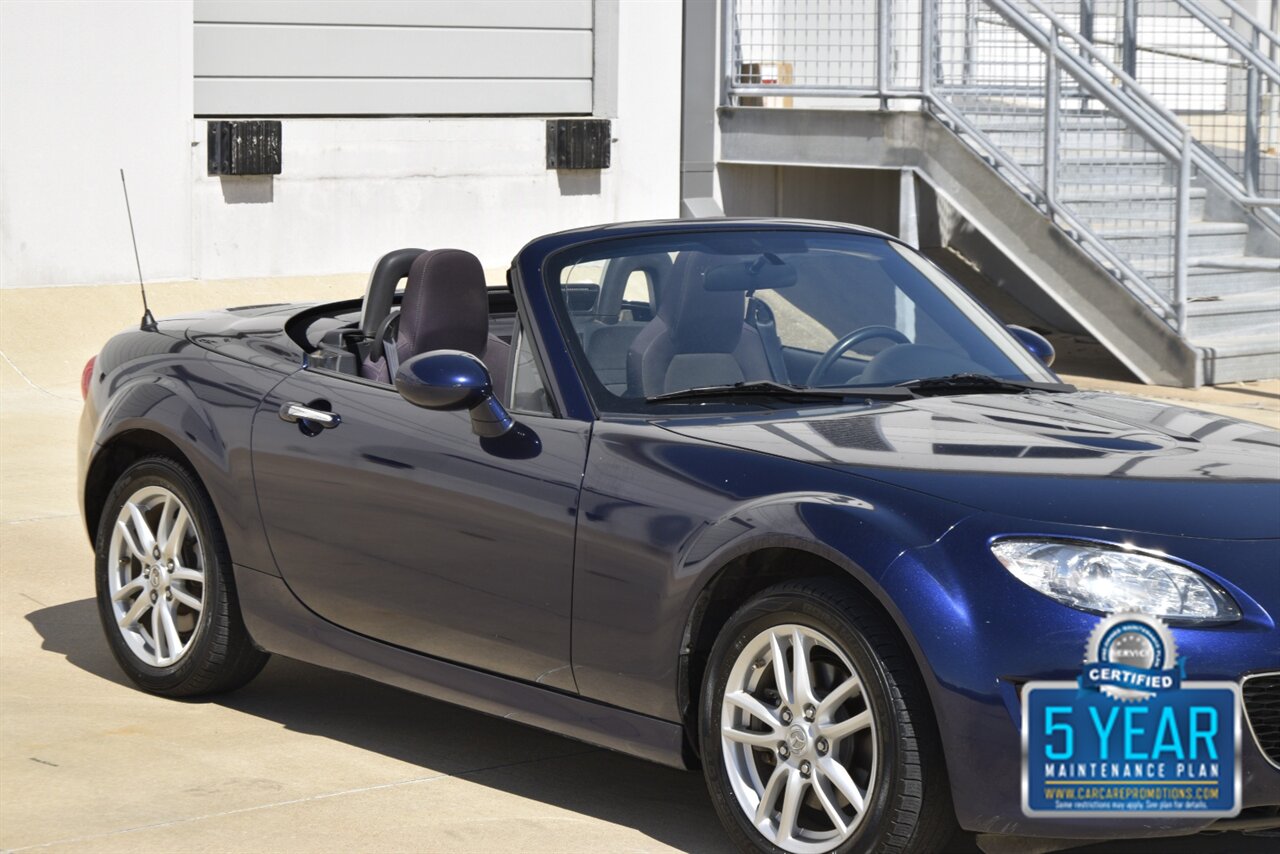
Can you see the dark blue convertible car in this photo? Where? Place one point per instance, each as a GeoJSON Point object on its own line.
{"type": "Point", "coordinates": [775, 499]}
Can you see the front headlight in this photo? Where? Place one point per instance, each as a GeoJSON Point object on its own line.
{"type": "Point", "coordinates": [1110, 579]}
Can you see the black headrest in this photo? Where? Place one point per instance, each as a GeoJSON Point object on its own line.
{"type": "Point", "coordinates": [446, 303]}
{"type": "Point", "coordinates": [386, 274]}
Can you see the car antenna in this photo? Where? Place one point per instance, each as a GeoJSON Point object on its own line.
{"type": "Point", "coordinates": [148, 319]}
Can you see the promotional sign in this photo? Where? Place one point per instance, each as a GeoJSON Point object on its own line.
{"type": "Point", "coordinates": [1131, 737]}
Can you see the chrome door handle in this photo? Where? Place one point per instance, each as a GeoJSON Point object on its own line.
{"type": "Point", "coordinates": [298, 412]}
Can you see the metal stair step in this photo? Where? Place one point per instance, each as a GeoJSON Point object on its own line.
{"type": "Point", "coordinates": [1203, 238]}
{"type": "Point", "coordinates": [1234, 356]}
{"type": "Point", "coordinates": [1220, 275]}
{"type": "Point", "coordinates": [1001, 116]}
{"type": "Point", "coordinates": [1251, 313]}
{"type": "Point", "coordinates": [1239, 262]}
{"type": "Point", "coordinates": [1023, 121]}
{"type": "Point", "coordinates": [1153, 202]}
{"type": "Point", "coordinates": [1112, 170]}
{"type": "Point", "coordinates": [1137, 158]}
{"type": "Point", "coordinates": [1070, 139]}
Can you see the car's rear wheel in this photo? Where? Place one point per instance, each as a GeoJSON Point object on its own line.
{"type": "Point", "coordinates": [166, 595]}
{"type": "Point", "coordinates": [816, 733]}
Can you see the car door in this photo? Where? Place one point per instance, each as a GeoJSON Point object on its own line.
{"type": "Point", "coordinates": [401, 524]}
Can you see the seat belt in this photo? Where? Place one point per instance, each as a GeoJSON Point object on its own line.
{"type": "Point", "coordinates": [387, 340]}
{"type": "Point", "coordinates": [762, 319]}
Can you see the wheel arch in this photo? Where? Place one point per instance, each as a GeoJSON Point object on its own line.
{"type": "Point", "coordinates": [744, 573]}
{"type": "Point", "coordinates": [162, 414]}
{"type": "Point", "coordinates": [114, 458]}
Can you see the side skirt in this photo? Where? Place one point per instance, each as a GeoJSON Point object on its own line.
{"type": "Point", "coordinates": [281, 624]}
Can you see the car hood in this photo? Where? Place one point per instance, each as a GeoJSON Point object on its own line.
{"type": "Point", "coordinates": [1094, 459]}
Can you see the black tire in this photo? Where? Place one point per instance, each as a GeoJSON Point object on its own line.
{"type": "Point", "coordinates": [221, 656]}
{"type": "Point", "coordinates": [910, 808]}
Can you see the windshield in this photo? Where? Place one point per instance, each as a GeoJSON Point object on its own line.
{"type": "Point", "coordinates": [661, 314]}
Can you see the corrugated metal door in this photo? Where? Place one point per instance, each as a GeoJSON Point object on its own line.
{"type": "Point", "coordinates": [390, 57]}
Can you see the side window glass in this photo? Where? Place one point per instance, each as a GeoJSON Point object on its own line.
{"type": "Point", "coordinates": [529, 390]}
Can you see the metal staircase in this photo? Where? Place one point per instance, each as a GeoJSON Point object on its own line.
{"type": "Point", "coordinates": [1147, 132]}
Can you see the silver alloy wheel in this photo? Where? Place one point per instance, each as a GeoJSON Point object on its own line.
{"type": "Point", "coordinates": [798, 738]}
{"type": "Point", "coordinates": [155, 576]}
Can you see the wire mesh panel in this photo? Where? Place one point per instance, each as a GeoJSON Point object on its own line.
{"type": "Point", "coordinates": [1053, 137]}
{"type": "Point", "coordinates": [805, 43]}
{"type": "Point", "coordinates": [1190, 69]}
{"type": "Point", "coordinates": [996, 79]}
{"type": "Point", "coordinates": [905, 34]}
{"type": "Point", "coordinates": [1269, 139]}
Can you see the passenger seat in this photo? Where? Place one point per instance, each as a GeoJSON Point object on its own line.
{"type": "Point", "coordinates": [445, 307]}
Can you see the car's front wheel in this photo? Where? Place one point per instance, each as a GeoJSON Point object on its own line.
{"type": "Point", "coordinates": [166, 596]}
{"type": "Point", "coordinates": [816, 734]}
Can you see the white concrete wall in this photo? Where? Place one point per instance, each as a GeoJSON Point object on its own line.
{"type": "Point", "coordinates": [350, 189]}
{"type": "Point", "coordinates": [87, 88]}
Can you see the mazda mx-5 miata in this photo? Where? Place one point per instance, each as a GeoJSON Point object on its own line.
{"type": "Point", "coordinates": [776, 499]}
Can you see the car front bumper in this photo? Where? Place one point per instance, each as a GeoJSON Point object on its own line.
{"type": "Point", "coordinates": [980, 634]}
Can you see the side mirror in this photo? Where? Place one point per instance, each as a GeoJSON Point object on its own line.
{"type": "Point", "coordinates": [451, 380]}
{"type": "Point", "coordinates": [1035, 343]}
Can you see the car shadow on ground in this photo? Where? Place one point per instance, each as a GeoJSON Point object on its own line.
{"type": "Point", "coordinates": [667, 805]}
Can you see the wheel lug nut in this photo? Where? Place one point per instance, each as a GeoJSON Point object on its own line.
{"type": "Point", "coordinates": [154, 597]}
{"type": "Point", "coordinates": [805, 768]}
{"type": "Point", "coordinates": [786, 716]}
{"type": "Point", "coordinates": [783, 752]}
{"type": "Point", "coordinates": [822, 746]}
{"type": "Point", "coordinates": [155, 552]}
{"type": "Point", "coordinates": [809, 712]}
{"type": "Point", "coordinates": [170, 564]}
{"type": "Point", "coordinates": [168, 594]}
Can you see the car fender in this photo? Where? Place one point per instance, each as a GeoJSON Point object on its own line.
{"type": "Point", "coordinates": [213, 436]}
{"type": "Point", "coordinates": [663, 517]}
{"type": "Point", "coordinates": [861, 537]}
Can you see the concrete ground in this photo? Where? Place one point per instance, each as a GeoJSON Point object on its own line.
{"type": "Point", "coordinates": [302, 759]}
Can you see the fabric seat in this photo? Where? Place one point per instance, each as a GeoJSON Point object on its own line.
{"type": "Point", "coordinates": [698, 337]}
{"type": "Point", "coordinates": [606, 337]}
{"type": "Point", "coordinates": [445, 307]}
{"type": "Point", "coordinates": [607, 348]}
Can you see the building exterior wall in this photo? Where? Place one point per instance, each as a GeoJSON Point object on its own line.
{"type": "Point", "coordinates": [117, 83]}
{"type": "Point", "coordinates": [88, 88]}
{"type": "Point", "coordinates": [382, 57]}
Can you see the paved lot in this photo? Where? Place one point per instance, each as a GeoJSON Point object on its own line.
{"type": "Point", "coordinates": [302, 759]}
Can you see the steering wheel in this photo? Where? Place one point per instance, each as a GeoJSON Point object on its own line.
{"type": "Point", "coordinates": [857, 336]}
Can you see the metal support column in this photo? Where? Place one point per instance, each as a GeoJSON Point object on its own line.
{"type": "Point", "coordinates": [1180, 245]}
{"type": "Point", "coordinates": [1086, 20]}
{"type": "Point", "coordinates": [884, 23]}
{"type": "Point", "coordinates": [1129, 42]}
{"type": "Point", "coordinates": [1051, 112]}
{"type": "Point", "coordinates": [970, 36]}
{"type": "Point", "coordinates": [928, 54]}
{"type": "Point", "coordinates": [727, 51]}
{"type": "Point", "coordinates": [1252, 148]}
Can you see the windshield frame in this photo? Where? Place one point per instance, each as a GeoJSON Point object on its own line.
{"type": "Point", "coordinates": [609, 406]}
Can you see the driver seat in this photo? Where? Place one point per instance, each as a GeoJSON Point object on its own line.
{"type": "Point", "coordinates": [698, 337]}
{"type": "Point", "coordinates": [445, 307]}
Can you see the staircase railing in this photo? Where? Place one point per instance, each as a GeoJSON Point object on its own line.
{"type": "Point", "coordinates": [1085, 140]}
{"type": "Point", "coordinates": [1066, 124]}
{"type": "Point", "coordinates": [1224, 83]}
